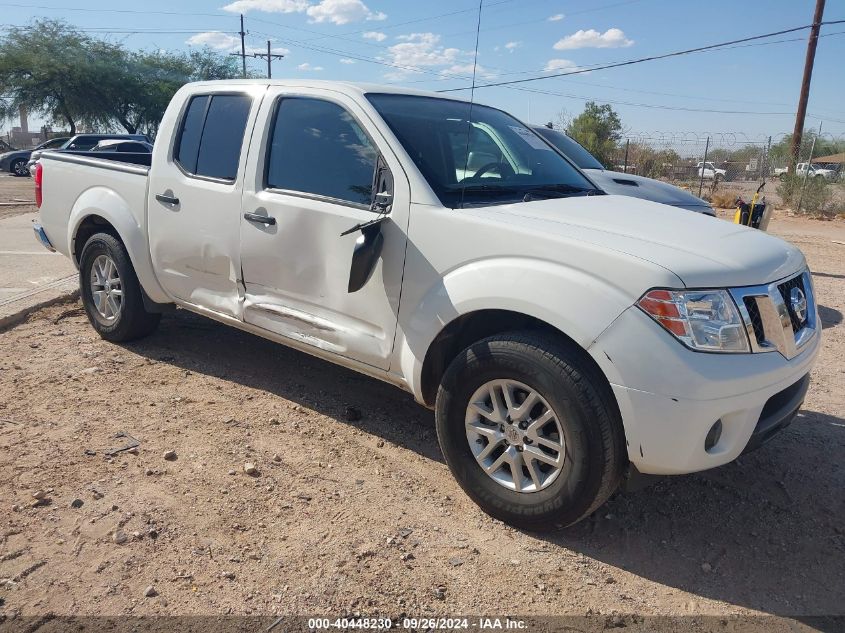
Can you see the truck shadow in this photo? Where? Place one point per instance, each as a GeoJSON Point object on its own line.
{"type": "Point", "coordinates": [204, 346]}
{"type": "Point", "coordinates": [829, 316]}
{"type": "Point", "coordinates": [766, 532]}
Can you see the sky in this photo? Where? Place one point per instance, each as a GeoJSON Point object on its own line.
{"type": "Point", "coordinates": [749, 90]}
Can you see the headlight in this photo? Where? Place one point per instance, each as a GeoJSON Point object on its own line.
{"type": "Point", "coordinates": [703, 320]}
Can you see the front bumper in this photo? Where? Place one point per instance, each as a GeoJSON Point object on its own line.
{"type": "Point", "coordinates": [670, 397]}
{"type": "Point", "coordinates": [41, 236]}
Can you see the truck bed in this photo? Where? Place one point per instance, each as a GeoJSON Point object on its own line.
{"type": "Point", "coordinates": [77, 184]}
{"type": "Point", "coordinates": [131, 158]}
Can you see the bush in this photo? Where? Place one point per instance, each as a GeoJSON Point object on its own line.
{"type": "Point", "coordinates": [724, 199]}
{"type": "Point", "coordinates": [816, 198]}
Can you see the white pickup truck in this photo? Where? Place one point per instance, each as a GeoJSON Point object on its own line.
{"type": "Point", "coordinates": [565, 338]}
{"type": "Point", "coordinates": [806, 169]}
{"type": "Point", "coordinates": [709, 171]}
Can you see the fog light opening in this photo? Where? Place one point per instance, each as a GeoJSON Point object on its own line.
{"type": "Point", "coordinates": [713, 436]}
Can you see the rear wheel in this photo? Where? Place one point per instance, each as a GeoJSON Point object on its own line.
{"type": "Point", "coordinates": [110, 291]}
{"type": "Point", "coordinates": [529, 430]}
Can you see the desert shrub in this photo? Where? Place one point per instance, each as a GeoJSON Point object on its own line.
{"type": "Point", "coordinates": [816, 198]}
{"type": "Point", "coordinates": [724, 199]}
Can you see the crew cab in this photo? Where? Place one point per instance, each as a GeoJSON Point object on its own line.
{"type": "Point", "coordinates": [565, 338]}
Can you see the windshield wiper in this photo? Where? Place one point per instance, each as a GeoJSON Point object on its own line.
{"type": "Point", "coordinates": [559, 191]}
{"type": "Point", "coordinates": [488, 188]}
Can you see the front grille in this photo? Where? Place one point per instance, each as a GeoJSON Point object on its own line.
{"type": "Point", "coordinates": [785, 289]}
{"type": "Point", "coordinates": [770, 320]}
{"type": "Point", "coordinates": [756, 319]}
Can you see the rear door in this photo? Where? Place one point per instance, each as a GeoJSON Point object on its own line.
{"type": "Point", "coordinates": [312, 177]}
{"type": "Point", "coordinates": [194, 205]}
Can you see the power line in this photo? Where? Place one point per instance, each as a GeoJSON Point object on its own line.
{"type": "Point", "coordinates": [644, 105]}
{"type": "Point", "coordinates": [107, 30]}
{"type": "Point", "coordinates": [641, 60]}
{"type": "Point", "coordinates": [131, 11]}
{"type": "Point", "coordinates": [590, 67]}
{"type": "Point", "coordinates": [439, 77]}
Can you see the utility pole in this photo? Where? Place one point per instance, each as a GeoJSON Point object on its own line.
{"type": "Point", "coordinates": [242, 54]}
{"type": "Point", "coordinates": [243, 46]}
{"type": "Point", "coordinates": [270, 57]}
{"type": "Point", "coordinates": [805, 85]}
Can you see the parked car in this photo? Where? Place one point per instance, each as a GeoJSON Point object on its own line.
{"type": "Point", "coordinates": [621, 183]}
{"type": "Point", "coordinates": [83, 143]}
{"type": "Point", "coordinates": [709, 171]}
{"type": "Point", "coordinates": [563, 336]}
{"type": "Point", "coordinates": [123, 147]}
{"type": "Point", "coordinates": [15, 161]}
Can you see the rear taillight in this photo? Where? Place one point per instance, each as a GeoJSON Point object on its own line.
{"type": "Point", "coordinates": [39, 180]}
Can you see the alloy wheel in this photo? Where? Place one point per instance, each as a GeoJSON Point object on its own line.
{"type": "Point", "coordinates": [106, 288]}
{"type": "Point", "coordinates": [515, 435]}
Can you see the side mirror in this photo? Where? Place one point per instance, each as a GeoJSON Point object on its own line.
{"type": "Point", "coordinates": [365, 255]}
{"type": "Point", "coordinates": [382, 201]}
{"type": "Point", "coordinates": [369, 244]}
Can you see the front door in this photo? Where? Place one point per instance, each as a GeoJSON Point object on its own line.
{"type": "Point", "coordinates": [314, 178]}
{"type": "Point", "coordinates": [194, 202]}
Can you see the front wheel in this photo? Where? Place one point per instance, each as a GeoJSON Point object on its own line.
{"type": "Point", "coordinates": [529, 430]}
{"type": "Point", "coordinates": [18, 168]}
{"type": "Point", "coordinates": [110, 291]}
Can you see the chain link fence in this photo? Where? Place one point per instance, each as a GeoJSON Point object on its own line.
{"type": "Point", "coordinates": [723, 166]}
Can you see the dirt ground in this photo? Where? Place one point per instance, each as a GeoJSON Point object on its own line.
{"type": "Point", "coordinates": [17, 195]}
{"type": "Point", "coordinates": [351, 515]}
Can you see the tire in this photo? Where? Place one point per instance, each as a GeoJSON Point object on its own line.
{"type": "Point", "coordinates": [18, 167]}
{"type": "Point", "coordinates": [594, 454]}
{"type": "Point", "coordinates": [129, 320]}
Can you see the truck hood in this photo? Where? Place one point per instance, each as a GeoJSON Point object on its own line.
{"type": "Point", "coordinates": [618, 183]}
{"type": "Point", "coordinates": [702, 251]}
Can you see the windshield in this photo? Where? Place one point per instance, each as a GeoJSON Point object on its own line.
{"type": "Point", "coordinates": [570, 148]}
{"type": "Point", "coordinates": [502, 161]}
{"type": "Point", "coordinates": [53, 142]}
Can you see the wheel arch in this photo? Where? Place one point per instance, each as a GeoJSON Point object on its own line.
{"type": "Point", "coordinates": [477, 325]}
{"type": "Point", "coordinates": [101, 209]}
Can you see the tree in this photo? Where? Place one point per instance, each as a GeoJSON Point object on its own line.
{"type": "Point", "coordinates": [780, 152]}
{"type": "Point", "coordinates": [139, 98]}
{"type": "Point", "coordinates": [652, 163]}
{"type": "Point", "coordinates": [599, 130]}
{"type": "Point", "coordinates": [52, 68]}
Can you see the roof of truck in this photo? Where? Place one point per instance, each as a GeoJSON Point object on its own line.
{"type": "Point", "coordinates": [348, 87]}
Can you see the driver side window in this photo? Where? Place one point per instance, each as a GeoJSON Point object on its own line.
{"type": "Point", "coordinates": [318, 148]}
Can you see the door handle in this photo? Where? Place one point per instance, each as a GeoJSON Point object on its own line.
{"type": "Point", "coordinates": [263, 219]}
{"type": "Point", "coordinates": [167, 199]}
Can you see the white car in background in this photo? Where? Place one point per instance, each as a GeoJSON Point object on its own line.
{"type": "Point", "coordinates": [811, 171]}
{"type": "Point", "coordinates": [709, 171]}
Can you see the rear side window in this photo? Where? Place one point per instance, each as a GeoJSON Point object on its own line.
{"type": "Point", "coordinates": [319, 148]}
{"type": "Point", "coordinates": [211, 135]}
{"type": "Point", "coordinates": [189, 135]}
{"type": "Point", "coordinates": [85, 143]}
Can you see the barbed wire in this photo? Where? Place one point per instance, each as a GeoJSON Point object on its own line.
{"type": "Point", "coordinates": [718, 139]}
